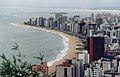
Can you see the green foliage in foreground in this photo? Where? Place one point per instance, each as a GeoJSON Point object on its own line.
{"type": "Point", "coordinates": [17, 67]}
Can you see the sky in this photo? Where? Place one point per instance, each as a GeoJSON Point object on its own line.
{"type": "Point", "coordinates": [62, 3]}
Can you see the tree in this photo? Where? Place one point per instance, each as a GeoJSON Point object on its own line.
{"type": "Point", "coordinates": [16, 68]}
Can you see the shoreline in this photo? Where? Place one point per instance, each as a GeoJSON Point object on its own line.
{"type": "Point", "coordinates": [63, 52]}
{"type": "Point", "coordinates": [69, 53]}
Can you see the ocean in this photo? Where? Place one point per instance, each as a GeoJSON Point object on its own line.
{"type": "Point", "coordinates": [32, 41]}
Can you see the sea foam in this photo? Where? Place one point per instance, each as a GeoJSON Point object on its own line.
{"type": "Point", "coordinates": [62, 52]}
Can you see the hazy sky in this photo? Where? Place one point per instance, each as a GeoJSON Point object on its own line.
{"type": "Point", "coordinates": [62, 3]}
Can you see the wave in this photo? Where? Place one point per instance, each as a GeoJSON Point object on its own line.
{"type": "Point", "coordinates": [65, 40]}
{"type": "Point", "coordinates": [62, 52]}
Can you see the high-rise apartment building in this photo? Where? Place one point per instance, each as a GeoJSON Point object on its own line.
{"type": "Point", "coordinates": [95, 46]}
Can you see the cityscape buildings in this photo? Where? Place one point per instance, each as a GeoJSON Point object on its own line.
{"type": "Point", "coordinates": [100, 34]}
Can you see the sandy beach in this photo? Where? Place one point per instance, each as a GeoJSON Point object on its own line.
{"type": "Point", "coordinates": [72, 45]}
{"type": "Point", "coordinates": [71, 52]}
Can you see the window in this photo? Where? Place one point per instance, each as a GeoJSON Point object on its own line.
{"type": "Point", "coordinates": [114, 41]}
{"type": "Point", "coordinates": [113, 34]}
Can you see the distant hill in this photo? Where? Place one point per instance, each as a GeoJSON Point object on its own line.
{"type": "Point", "coordinates": [106, 8]}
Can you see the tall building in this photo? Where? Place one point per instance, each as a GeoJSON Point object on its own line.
{"type": "Point", "coordinates": [99, 21]}
{"type": "Point", "coordinates": [90, 29]}
{"type": "Point", "coordinates": [118, 66]}
{"type": "Point", "coordinates": [106, 64]}
{"type": "Point", "coordinates": [35, 22]}
{"type": "Point", "coordinates": [64, 19]}
{"type": "Point", "coordinates": [59, 17]}
{"type": "Point", "coordinates": [45, 22]}
{"type": "Point", "coordinates": [64, 70]}
{"type": "Point", "coordinates": [109, 63]}
{"type": "Point", "coordinates": [118, 33]}
{"type": "Point", "coordinates": [95, 46]}
{"type": "Point", "coordinates": [92, 18]}
{"type": "Point", "coordinates": [78, 67]}
{"type": "Point", "coordinates": [107, 42]}
{"type": "Point", "coordinates": [92, 26]}
{"type": "Point", "coordinates": [77, 18]}
{"type": "Point", "coordinates": [30, 21]}
{"type": "Point", "coordinates": [96, 71]}
{"type": "Point", "coordinates": [76, 28]}
{"type": "Point", "coordinates": [84, 56]}
{"type": "Point", "coordinates": [41, 21]}
{"type": "Point", "coordinates": [110, 66]}
{"type": "Point", "coordinates": [50, 22]}
{"type": "Point", "coordinates": [81, 24]}
{"type": "Point", "coordinates": [55, 23]}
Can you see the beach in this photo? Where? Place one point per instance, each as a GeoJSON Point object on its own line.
{"type": "Point", "coordinates": [70, 52]}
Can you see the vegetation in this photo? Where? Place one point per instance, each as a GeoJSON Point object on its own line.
{"type": "Point", "coordinates": [17, 67]}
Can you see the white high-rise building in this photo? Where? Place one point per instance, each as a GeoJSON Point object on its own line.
{"type": "Point", "coordinates": [118, 33]}
{"type": "Point", "coordinates": [84, 56]}
{"type": "Point", "coordinates": [45, 22]}
{"type": "Point", "coordinates": [119, 67]}
{"type": "Point", "coordinates": [109, 65]}
{"type": "Point", "coordinates": [78, 70]}
{"type": "Point", "coordinates": [106, 65]}
{"type": "Point", "coordinates": [97, 72]}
